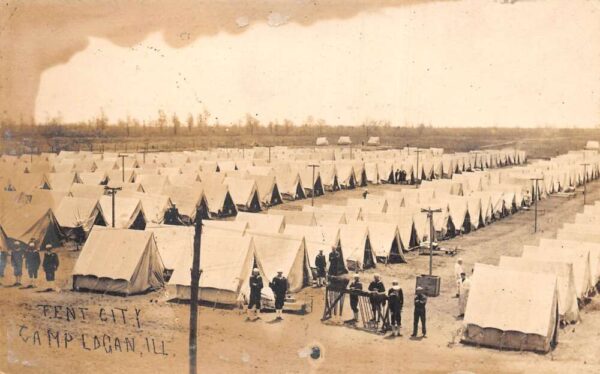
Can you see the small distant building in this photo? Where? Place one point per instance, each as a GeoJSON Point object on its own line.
{"type": "Point", "coordinates": [322, 141]}
{"type": "Point", "coordinates": [374, 140]}
{"type": "Point", "coordinates": [592, 144]}
{"type": "Point", "coordinates": [344, 140]}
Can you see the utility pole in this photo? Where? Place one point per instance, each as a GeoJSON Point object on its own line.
{"type": "Point", "coordinates": [536, 193]}
{"type": "Point", "coordinates": [195, 276]}
{"type": "Point", "coordinates": [430, 212]}
{"type": "Point", "coordinates": [146, 151]}
{"type": "Point", "coordinates": [312, 195]}
{"type": "Point", "coordinates": [418, 171]}
{"type": "Point", "coordinates": [123, 166]}
{"type": "Point", "coordinates": [113, 191]}
{"type": "Point", "coordinates": [269, 146]}
{"type": "Point", "coordinates": [585, 165]}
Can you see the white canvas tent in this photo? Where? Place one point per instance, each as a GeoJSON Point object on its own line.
{"type": "Point", "coordinates": [270, 223]}
{"type": "Point", "coordinates": [79, 214]}
{"type": "Point", "coordinates": [118, 261]}
{"type": "Point", "coordinates": [129, 213]}
{"type": "Point", "coordinates": [510, 309]}
{"type": "Point", "coordinates": [567, 301]}
{"type": "Point", "coordinates": [173, 242]}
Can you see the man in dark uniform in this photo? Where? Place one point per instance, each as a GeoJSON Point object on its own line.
{"type": "Point", "coordinates": [32, 263]}
{"type": "Point", "coordinates": [396, 302]}
{"type": "Point", "coordinates": [377, 292]}
{"type": "Point", "coordinates": [321, 265]}
{"type": "Point", "coordinates": [256, 286]}
{"type": "Point", "coordinates": [420, 312]}
{"type": "Point", "coordinates": [334, 259]}
{"type": "Point", "coordinates": [50, 265]}
{"type": "Point", "coordinates": [3, 262]}
{"type": "Point", "coordinates": [355, 285]}
{"type": "Point", "coordinates": [279, 285]}
{"type": "Point", "coordinates": [16, 260]}
{"type": "Point", "coordinates": [397, 176]}
{"type": "Point", "coordinates": [365, 193]}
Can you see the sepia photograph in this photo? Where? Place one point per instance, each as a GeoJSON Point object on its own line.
{"type": "Point", "coordinates": [299, 186]}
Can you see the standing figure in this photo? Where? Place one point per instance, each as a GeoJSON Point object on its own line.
{"type": "Point", "coordinates": [365, 193]}
{"type": "Point", "coordinates": [279, 285]}
{"type": "Point", "coordinates": [32, 263]}
{"type": "Point", "coordinates": [396, 302]}
{"type": "Point", "coordinates": [50, 266]}
{"type": "Point", "coordinates": [464, 294]}
{"type": "Point", "coordinates": [377, 291]}
{"type": "Point", "coordinates": [3, 262]}
{"type": "Point", "coordinates": [420, 312]}
{"type": "Point", "coordinates": [458, 270]}
{"type": "Point", "coordinates": [16, 259]}
{"type": "Point", "coordinates": [321, 265]}
{"type": "Point", "coordinates": [256, 286]}
{"type": "Point", "coordinates": [334, 259]}
{"type": "Point", "coordinates": [355, 285]}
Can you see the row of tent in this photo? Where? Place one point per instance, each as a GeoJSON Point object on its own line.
{"type": "Point", "coordinates": [346, 140]}
{"type": "Point", "coordinates": [521, 303]}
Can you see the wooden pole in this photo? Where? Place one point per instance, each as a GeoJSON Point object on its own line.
{"type": "Point", "coordinates": [431, 232]}
{"type": "Point", "coordinates": [195, 274]}
{"type": "Point", "coordinates": [584, 182]}
{"type": "Point", "coordinates": [112, 191]}
{"type": "Point", "coordinates": [536, 193]}
{"type": "Point", "coordinates": [312, 195]}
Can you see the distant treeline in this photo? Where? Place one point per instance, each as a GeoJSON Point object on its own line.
{"type": "Point", "coordinates": [195, 133]}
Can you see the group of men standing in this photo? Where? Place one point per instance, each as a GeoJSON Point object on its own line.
{"type": "Point", "coordinates": [395, 299]}
{"type": "Point", "coordinates": [30, 257]}
{"type": "Point", "coordinates": [399, 176]}
{"type": "Point", "coordinates": [279, 285]}
{"type": "Point", "coordinates": [336, 265]}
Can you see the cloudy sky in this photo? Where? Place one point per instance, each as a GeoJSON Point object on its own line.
{"type": "Point", "coordinates": [448, 63]}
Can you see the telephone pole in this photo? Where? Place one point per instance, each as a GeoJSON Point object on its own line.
{"type": "Point", "coordinates": [312, 195]}
{"type": "Point", "coordinates": [195, 278]}
{"type": "Point", "coordinates": [585, 165]}
{"type": "Point", "coordinates": [113, 191]}
{"type": "Point", "coordinates": [535, 195]}
{"type": "Point", "coordinates": [269, 146]}
{"type": "Point", "coordinates": [123, 166]}
{"type": "Point", "coordinates": [430, 213]}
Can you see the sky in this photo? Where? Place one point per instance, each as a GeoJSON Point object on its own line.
{"type": "Point", "coordinates": [450, 63]}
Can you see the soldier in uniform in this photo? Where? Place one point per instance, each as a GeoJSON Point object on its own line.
{"type": "Point", "coordinates": [420, 312]}
{"type": "Point", "coordinates": [396, 302]}
{"type": "Point", "coordinates": [16, 260]}
{"type": "Point", "coordinates": [334, 259]}
{"type": "Point", "coordinates": [32, 263]}
{"type": "Point", "coordinates": [321, 265]}
{"type": "Point", "coordinates": [377, 291]}
{"type": "Point", "coordinates": [50, 265]}
{"type": "Point", "coordinates": [256, 286]}
{"type": "Point", "coordinates": [279, 285]}
{"type": "Point", "coordinates": [355, 285]}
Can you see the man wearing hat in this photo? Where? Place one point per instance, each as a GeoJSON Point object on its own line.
{"type": "Point", "coordinates": [50, 265]}
{"type": "Point", "coordinates": [377, 296]}
{"type": "Point", "coordinates": [256, 286]}
{"type": "Point", "coordinates": [279, 285]}
{"type": "Point", "coordinates": [3, 261]}
{"type": "Point", "coordinates": [464, 294]}
{"type": "Point", "coordinates": [396, 302]}
{"type": "Point", "coordinates": [32, 263]}
{"type": "Point", "coordinates": [16, 260]}
{"type": "Point", "coordinates": [321, 265]}
{"type": "Point", "coordinates": [355, 285]}
{"type": "Point", "coordinates": [420, 312]}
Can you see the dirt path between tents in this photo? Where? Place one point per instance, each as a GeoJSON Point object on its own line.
{"type": "Point", "coordinates": [156, 336]}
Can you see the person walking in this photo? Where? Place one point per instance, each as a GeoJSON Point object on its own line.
{"type": "Point", "coordinates": [321, 265]}
{"type": "Point", "coordinates": [256, 286]}
{"type": "Point", "coordinates": [3, 262]}
{"type": "Point", "coordinates": [16, 260]}
{"type": "Point", "coordinates": [420, 312]}
{"type": "Point", "coordinates": [396, 302]}
{"type": "Point", "coordinates": [279, 285]}
{"type": "Point", "coordinates": [32, 263]}
{"type": "Point", "coordinates": [50, 266]}
{"type": "Point", "coordinates": [355, 285]}
{"type": "Point", "coordinates": [377, 290]}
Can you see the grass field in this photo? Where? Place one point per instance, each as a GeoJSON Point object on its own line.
{"type": "Point", "coordinates": [539, 142]}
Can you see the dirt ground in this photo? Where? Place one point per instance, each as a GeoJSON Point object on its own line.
{"type": "Point", "coordinates": [227, 343]}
